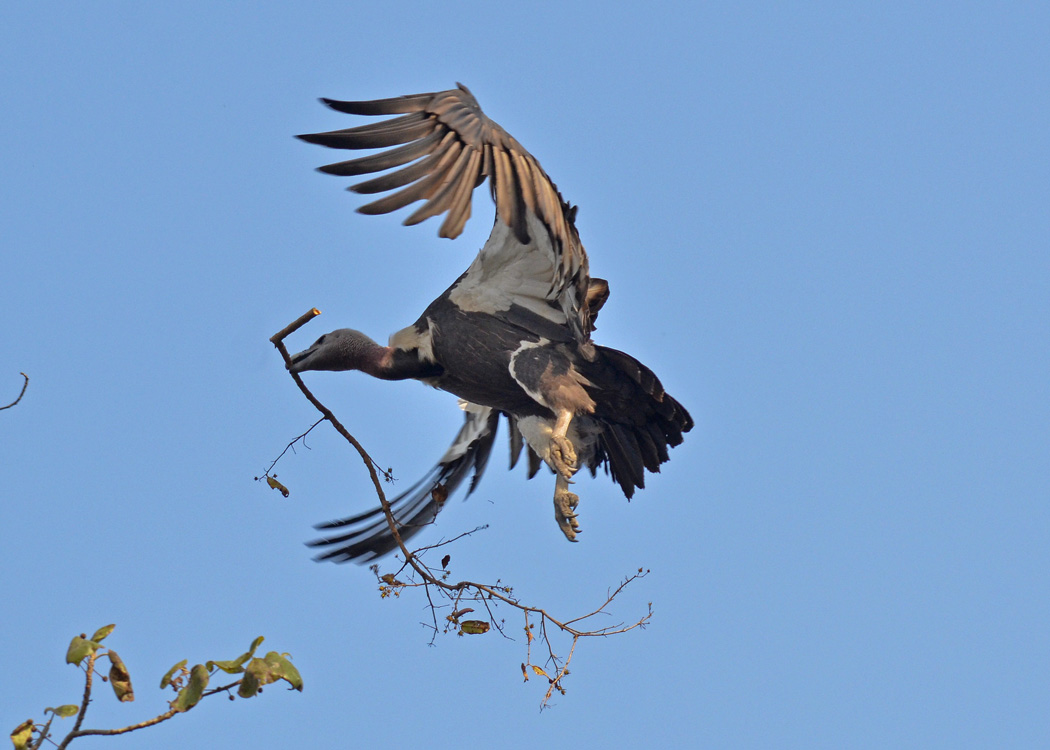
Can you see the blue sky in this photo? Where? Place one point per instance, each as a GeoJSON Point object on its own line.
{"type": "Point", "coordinates": [824, 227]}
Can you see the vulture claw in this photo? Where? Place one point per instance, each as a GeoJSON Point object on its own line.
{"type": "Point", "coordinates": [565, 503]}
{"type": "Point", "coordinates": [563, 456]}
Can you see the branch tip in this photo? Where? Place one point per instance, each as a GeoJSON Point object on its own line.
{"type": "Point", "coordinates": [299, 322]}
{"type": "Point", "coordinates": [21, 393]}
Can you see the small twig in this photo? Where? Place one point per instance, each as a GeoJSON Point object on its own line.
{"type": "Point", "coordinates": [443, 542]}
{"type": "Point", "coordinates": [78, 732]}
{"type": "Point", "coordinates": [290, 446]}
{"type": "Point", "coordinates": [45, 734]}
{"type": "Point", "coordinates": [170, 713]}
{"type": "Point", "coordinates": [288, 330]}
{"type": "Point", "coordinates": [555, 682]}
{"type": "Point", "coordinates": [24, 386]}
{"type": "Point", "coordinates": [223, 689]}
{"type": "Point", "coordinates": [90, 669]}
{"type": "Point", "coordinates": [278, 341]}
{"type": "Point", "coordinates": [87, 690]}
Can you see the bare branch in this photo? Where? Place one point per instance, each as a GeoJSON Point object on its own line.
{"type": "Point", "coordinates": [278, 341]}
{"type": "Point", "coordinates": [23, 392]}
{"type": "Point", "coordinates": [90, 673]}
{"type": "Point", "coordinates": [419, 574]}
{"type": "Point", "coordinates": [291, 447]}
{"type": "Point", "coordinates": [170, 713]}
{"type": "Point", "coordinates": [291, 328]}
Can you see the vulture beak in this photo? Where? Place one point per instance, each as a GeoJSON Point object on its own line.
{"type": "Point", "coordinates": [299, 361]}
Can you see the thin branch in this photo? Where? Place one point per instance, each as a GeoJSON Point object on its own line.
{"type": "Point", "coordinates": [291, 445]}
{"type": "Point", "coordinates": [23, 392]}
{"type": "Point", "coordinates": [278, 341]}
{"type": "Point", "coordinates": [486, 594]}
{"type": "Point", "coordinates": [170, 713]}
{"type": "Point", "coordinates": [45, 734]}
{"type": "Point", "coordinates": [88, 679]}
{"type": "Point", "coordinates": [291, 328]}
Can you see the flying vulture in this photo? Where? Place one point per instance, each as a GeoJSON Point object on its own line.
{"type": "Point", "coordinates": [511, 336]}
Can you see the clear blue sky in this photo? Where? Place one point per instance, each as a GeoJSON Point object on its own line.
{"type": "Point", "coordinates": [825, 228]}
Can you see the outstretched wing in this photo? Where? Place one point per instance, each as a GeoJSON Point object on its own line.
{"type": "Point", "coordinates": [367, 535]}
{"type": "Point", "coordinates": [534, 260]}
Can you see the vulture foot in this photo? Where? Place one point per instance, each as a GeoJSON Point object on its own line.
{"type": "Point", "coordinates": [565, 503]}
{"type": "Point", "coordinates": [563, 456]}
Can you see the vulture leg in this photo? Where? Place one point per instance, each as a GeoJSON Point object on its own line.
{"type": "Point", "coordinates": [565, 503]}
{"type": "Point", "coordinates": [563, 459]}
{"type": "Point", "coordinates": [563, 452]}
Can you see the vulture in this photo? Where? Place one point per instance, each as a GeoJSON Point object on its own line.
{"type": "Point", "coordinates": [511, 336]}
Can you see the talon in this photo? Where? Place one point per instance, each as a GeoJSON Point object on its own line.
{"type": "Point", "coordinates": [563, 456]}
{"type": "Point", "coordinates": [565, 503]}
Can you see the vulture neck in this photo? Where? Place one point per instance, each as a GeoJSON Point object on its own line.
{"type": "Point", "coordinates": [352, 350]}
{"type": "Point", "coordinates": [391, 363]}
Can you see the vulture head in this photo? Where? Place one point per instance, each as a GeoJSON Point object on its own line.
{"type": "Point", "coordinates": [344, 349]}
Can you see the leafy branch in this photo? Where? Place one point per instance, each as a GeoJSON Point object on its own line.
{"type": "Point", "coordinates": [417, 573]}
{"type": "Point", "coordinates": [190, 687]}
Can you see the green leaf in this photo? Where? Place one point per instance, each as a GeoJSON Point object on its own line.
{"type": "Point", "coordinates": [166, 679]}
{"type": "Point", "coordinates": [236, 666]}
{"type": "Point", "coordinates": [473, 627]}
{"type": "Point", "coordinates": [271, 668]}
{"type": "Point", "coordinates": [253, 678]}
{"type": "Point", "coordinates": [282, 669]}
{"type": "Point", "coordinates": [229, 667]}
{"type": "Point", "coordinates": [119, 678]}
{"type": "Point", "coordinates": [22, 735]}
{"type": "Point", "coordinates": [63, 712]}
{"type": "Point", "coordinates": [79, 649]}
{"type": "Point", "coordinates": [102, 633]}
{"type": "Point", "coordinates": [189, 696]}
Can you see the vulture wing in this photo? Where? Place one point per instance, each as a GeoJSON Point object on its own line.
{"type": "Point", "coordinates": [533, 259]}
{"type": "Point", "coordinates": [367, 535]}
